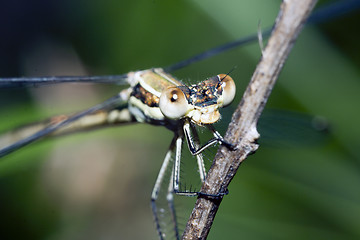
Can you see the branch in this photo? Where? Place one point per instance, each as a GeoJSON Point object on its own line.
{"type": "Point", "coordinates": [242, 129]}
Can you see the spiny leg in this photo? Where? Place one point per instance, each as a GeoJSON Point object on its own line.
{"type": "Point", "coordinates": [170, 200]}
{"type": "Point", "coordinates": [159, 180]}
{"type": "Point", "coordinates": [192, 148]}
{"type": "Point", "coordinates": [193, 144]}
{"type": "Point", "coordinates": [176, 177]}
{"type": "Point", "coordinates": [218, 136]}
{"type": "Point", "coordinates": [199, 157]}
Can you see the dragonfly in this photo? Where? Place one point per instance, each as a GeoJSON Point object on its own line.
{"type": "Point", "coordinates": [176, 106]}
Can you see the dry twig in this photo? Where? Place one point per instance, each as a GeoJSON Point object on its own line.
{"type": "Point", "coordinates": [242, 129]}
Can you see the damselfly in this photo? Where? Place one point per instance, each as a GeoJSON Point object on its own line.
{"type": "Point", "coordinates": [57, 120]}
{"type": "Point", "coordinates": [154, 97]}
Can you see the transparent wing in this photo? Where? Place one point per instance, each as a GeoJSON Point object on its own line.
{"type": "Point", "coordinates": [292, 129]}
{"type": "Point", "coordinates": [36, 81]}
{"type": "Point", "coordinates": [331, 11]}
{"type": "Point", "coordinates": [323, 14]}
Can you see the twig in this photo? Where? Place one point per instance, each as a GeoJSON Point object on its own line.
{"type": "Point", "coordinates": [242, 129]}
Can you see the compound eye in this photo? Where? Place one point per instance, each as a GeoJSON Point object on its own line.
{"type": "Point", "coordinates": [229, 89]}
{"type": "Point", "coordinates": [173, 103]}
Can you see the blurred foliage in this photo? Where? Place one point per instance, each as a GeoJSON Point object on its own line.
{"type": "Point", "coordinates": [301, 184]}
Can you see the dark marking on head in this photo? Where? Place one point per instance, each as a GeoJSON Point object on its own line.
{"type": "Point", "coordinates": [145, 96]}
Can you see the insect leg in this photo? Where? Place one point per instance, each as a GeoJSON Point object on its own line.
{"type": "Point", "coordinates": [170, 200]}
{"type": "Point", "coordinates": [176, 177]}
{"type": "Point", "coordinates": [159, 180]}
{"type": "Point", "coordinates": [218, 136]}
{"type": "Point", "coordinates": [200, 160]}
{"type": "Point", "coordinates": [195, 150]}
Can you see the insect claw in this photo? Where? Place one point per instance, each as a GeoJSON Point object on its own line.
{"type": "Point", "coordinates": [230, 146]}
{"type": "Point", "coordinates": [213, 196]}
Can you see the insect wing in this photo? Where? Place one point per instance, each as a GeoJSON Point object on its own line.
{"type": "Point", "coordinates": [37, 81]}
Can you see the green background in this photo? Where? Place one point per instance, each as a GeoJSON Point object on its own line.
{"type": "Point", "coordinates": [300, 184]}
